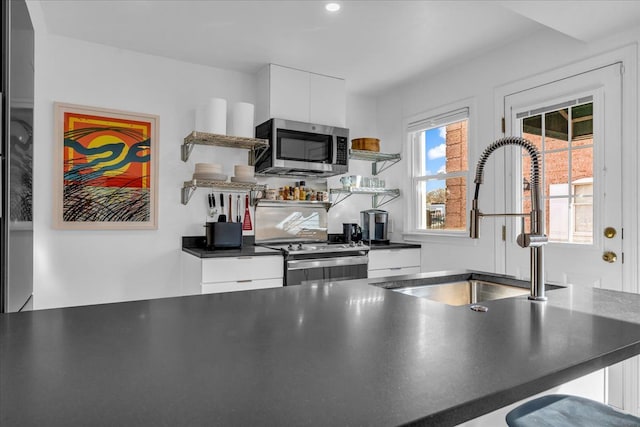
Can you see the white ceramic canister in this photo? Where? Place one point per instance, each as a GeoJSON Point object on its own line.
{"type": "Point", "coordinates": [214, 117]}
{"type": "Point", "coordinates": [241, 123]}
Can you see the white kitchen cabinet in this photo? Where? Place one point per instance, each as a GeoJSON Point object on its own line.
{"type": "Point", "coordinates": [394, 262]}
{"type": "Point", "coordinates": [230, 274]}
{"type": "Point", "coordinates": [287, 93]}
{"type": "Point", "coordinates": [327, 100]}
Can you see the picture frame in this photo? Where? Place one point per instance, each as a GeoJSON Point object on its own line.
{"type": "Point", "coordinates": [106, 169]}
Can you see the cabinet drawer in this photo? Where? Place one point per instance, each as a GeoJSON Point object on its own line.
{"type": "Point", "coordinates": [398, 271]}
{"type": "Point", "coordinates": [248, 285]}
{"type": "Point", "coordinates": [393, 258]}
{"type": "Point", "coordinates": [242, 268]}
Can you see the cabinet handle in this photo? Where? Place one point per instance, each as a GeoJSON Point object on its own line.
{"type": "Point", "coordinates": [244, 257]}
{"type": "Point", "coordinates": [245, 281]}
{"type": "Point", "coordinates": [395, 268]}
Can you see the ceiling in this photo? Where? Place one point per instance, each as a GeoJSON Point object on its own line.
{"type": "Point", "coordinates": [374, 45]}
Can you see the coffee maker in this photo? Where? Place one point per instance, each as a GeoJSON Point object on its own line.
{"type": "Point", "coordinates": [374, 225]}
{"type": "Point", "coordinates": [351, 232]}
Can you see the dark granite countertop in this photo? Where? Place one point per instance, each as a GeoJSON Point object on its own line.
{"type": "Point", "coordinates": [395, 245]}
{"type": "Point", "coordinates": [195, 245]}
{"type": "Point", "coordinates": [332, 354]}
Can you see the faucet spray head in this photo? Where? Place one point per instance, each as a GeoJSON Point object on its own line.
{"type": "Point", "coordinates": [474, 220]}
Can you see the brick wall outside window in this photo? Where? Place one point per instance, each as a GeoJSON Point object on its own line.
{"type": "Point", "coordinates": [456, 195]}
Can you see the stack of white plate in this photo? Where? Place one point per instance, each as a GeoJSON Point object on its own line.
{"type": "Point", "coordinates": [243, 173]}
{"type": "Point", "coordinates": [209, 172]}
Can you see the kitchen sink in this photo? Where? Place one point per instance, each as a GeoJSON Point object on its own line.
{"type": "Point", "coordinates": [463, 292]}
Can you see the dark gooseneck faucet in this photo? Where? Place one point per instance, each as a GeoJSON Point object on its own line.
{"type": "Point", "coordinates": [536, 238]}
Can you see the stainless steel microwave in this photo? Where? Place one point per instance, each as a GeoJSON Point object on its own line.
{"type": "Point", "coordinates": [303, 149]}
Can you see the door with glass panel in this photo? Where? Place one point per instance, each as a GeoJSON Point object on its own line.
{"type": "Point", "coordinates": [576, 125]}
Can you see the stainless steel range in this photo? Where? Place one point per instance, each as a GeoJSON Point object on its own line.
{"type": "Point", "coordinates": [299, 230]}
{"type": "Point", "coordinates": [308, 263]}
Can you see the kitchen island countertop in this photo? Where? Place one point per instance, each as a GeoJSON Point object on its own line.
{"type": "Point", "coordinates": [331, 354]}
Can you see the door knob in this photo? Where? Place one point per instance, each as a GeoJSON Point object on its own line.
{"type": "Point", "coordinates": [609, 232]}
{"type": "Point", "coordinates": [609, 256]}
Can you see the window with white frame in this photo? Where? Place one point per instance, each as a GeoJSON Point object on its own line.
{"type": "Point", "coordinates": [439, 148]}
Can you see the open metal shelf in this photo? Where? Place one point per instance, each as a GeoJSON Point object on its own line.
{"type": "Point", "coordinates": [385, 160]}
{"type": "Point", "coordinates": [189, 187]}
{"type": "Point", "coordinates": [281, 203]}
{"type": "Point", "coordinates": [257, 146]}
{"type": "Point", "coordinates": [381, 196]}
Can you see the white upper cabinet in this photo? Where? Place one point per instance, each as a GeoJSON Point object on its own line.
{"type": "Point", "coordinates": [287, 93]}
{"type": "Point", "coordinates": [327, 100]}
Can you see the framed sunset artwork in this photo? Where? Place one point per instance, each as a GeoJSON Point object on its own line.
{"type": "Point", "coordinates": [106, 169]}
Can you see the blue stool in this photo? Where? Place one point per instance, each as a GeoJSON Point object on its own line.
{"type": "Point", "coordinates": [561, 410]}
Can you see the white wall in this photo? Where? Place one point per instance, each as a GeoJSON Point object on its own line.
{"type": "Point", "coordinates": [477, 78]}
{"type": "Point", "coordinates": [86, 267]}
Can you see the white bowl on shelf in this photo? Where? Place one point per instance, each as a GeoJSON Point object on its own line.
{"type": "Point", "coordinates": [208, 168]}
{"type": "Point", "coordinates": [243, 171]}
{"type": "Point", "coordinates": [203, 176]}
{"type": "Point", "coordinates": [244, 179]}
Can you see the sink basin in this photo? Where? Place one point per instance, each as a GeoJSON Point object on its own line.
{"type": "Point", "coordinates": [463, 292]}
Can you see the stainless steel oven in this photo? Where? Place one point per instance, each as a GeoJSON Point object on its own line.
{"type": "Point", "coordinates": [318, 268]}
{"type": "Point", "coordinates": [299, 231]}
{"type": "Point", "coordinates": [323, 262]}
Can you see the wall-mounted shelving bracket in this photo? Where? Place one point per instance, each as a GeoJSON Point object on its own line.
{"type": "Point", "coordinates": [380, 196]}
{"type": "Point", "coordinates": [381, 161]}
{"type": "Point", "coordinates": [382, 199]}
{"type": "Point", "coordinates": [186, 192]}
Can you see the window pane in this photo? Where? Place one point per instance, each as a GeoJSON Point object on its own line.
{"type": "Point", "coordinates": [436, 150]}
{"type": "Point", "coordinates": [532, 130]}
{"type": "Point", "coordinates": [445, 206]}
{"type": "Point", "coordinates": [583, 211]}
{"type": "Point", "coordinates": [446, 148]}
{"type": "Point", "coordinates": [582, 123]}
{"type": "Point", "coordinates": [556, 130]}
{"type": "Point", "coordinates": [582, 164]}
{"type": "Point", "coordinates": [583, 219]}
{"type": "Point", "coordinates": [556, 174]}
{"type": "Point", "coordinates": [557, 219]}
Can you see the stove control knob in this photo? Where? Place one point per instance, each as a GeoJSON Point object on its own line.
{"type": "Point", "coordinates": [360, 243]}
{"type": "Point", "coordinates": [352, 244]}
{"type": "Point", "coordinates": [290, 247]}
{"type": "Point", "coordinates": [299, 246]}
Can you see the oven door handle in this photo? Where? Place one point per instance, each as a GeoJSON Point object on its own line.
{"type": "Point", "coordinates": [301, 264]}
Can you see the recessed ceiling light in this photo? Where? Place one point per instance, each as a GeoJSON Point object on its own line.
{"type": "Point", "coordinates": [332, 7]}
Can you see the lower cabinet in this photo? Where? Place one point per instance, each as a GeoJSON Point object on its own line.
{"type": "Point", "coordinates": [394, 262]}
{"type": "Point", "coordinates": [230, 274]}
